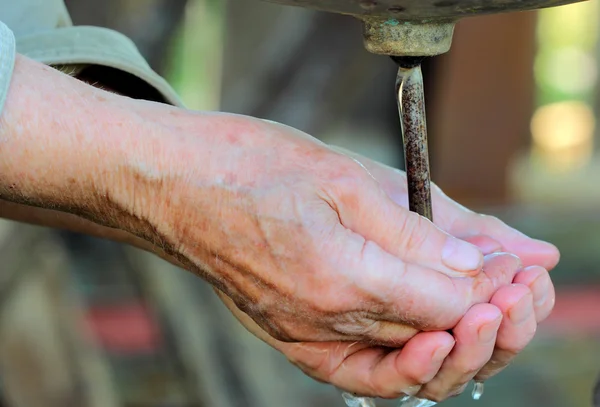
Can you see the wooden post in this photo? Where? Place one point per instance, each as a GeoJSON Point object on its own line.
{"type": "Point", "coordinates": [481, 106]}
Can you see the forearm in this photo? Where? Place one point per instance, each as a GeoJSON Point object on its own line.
{"type": "Point", "coordinates": [82, 159]}
{"type": "Point", "coordinates": [62, 146]}
{"type": "Point", "coordinates": [57, 151]}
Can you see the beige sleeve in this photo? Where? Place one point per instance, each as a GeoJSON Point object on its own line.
{"type": "Point", "coordinates": [76, 47]}
{"type": "Point", "coordinates": [7, 61]}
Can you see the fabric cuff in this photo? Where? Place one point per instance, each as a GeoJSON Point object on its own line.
{"type": "Point", "coordinates": [7, 61]}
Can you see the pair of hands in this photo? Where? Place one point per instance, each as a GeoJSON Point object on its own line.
{"type": "Point", "coordinates": [393, 359]}
{"type": "Point", "coordinates": [311, 248]}
{"type": "Point", "coordinates": [315, 252]}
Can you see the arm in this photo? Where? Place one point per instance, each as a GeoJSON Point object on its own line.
{"type": "Point", "coordinates": [59, 142]}
{"type": "Point", "coordinates": [45, 141]}
{"type": "Point", "coordinates": [302, 239]}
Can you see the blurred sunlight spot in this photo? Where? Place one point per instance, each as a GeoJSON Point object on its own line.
{"type": "Point", "coordinates": [563, 134]}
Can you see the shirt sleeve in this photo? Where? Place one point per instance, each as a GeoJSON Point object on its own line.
{"type": "Point", "coordinates": [7, 61]}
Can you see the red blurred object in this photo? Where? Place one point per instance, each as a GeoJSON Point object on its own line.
{"type": "Point", "coordinates": [124, 328]}
{"type": "Point", "coordinates": [577, 311]}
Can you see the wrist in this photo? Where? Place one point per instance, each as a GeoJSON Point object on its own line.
{"type": "Point", "coordinates": [58, 141]}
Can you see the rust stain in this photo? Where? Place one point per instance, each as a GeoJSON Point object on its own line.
{"type": "Point", "coordinates": [411, 106]}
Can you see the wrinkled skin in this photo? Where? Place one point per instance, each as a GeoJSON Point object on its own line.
{"type": "Point", "coordinates": [314, 247]}
{"type": "Point", "coordinates": [485, 340]}
{"type": "Point", "coordinates": [317, 250]}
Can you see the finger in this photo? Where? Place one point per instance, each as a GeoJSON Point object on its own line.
{"type": "Point", "coordinates": [532, 252]}
{"type": "Point", "coordinates": [499, 269]}
{"type": "Point", "coordinates": [475, 337]}
{"type": "Point", "coordinates": [379, 372]}
{"type": "Point", "coordinates": [517, 329]}
{"type": "Point", "coordinates": [404, 234]}
{"type": "Point", "coordinates": [461, 222]}
{"type": "Point", "coordinates": [416, 296]}
{"type": "Point", "coordinates": [539, 283]}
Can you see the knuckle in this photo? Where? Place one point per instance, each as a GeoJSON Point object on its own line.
{"type": "Point", "coordinates": [417, 379]}
{"type": "Point", "coordinates": [344, 174]}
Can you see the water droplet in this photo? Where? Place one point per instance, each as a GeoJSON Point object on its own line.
{"type": "Point", "coordinates": [353, 401]}
{"type": "Point", "coordinates": [477, 390]}
{"type": "Point", "coordinates": [410, 401]}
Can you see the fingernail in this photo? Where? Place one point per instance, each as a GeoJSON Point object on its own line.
{"type": "Point", "coordinates": [540, 288]}
{"type": "Point", "coordinates": [520, 312]}
{"type": "Point", "coordinates": [461, 256]}
{"type": "Point", "coordinates": [487, 332]}
{"type": "Point", "coordinates": [442, 352]}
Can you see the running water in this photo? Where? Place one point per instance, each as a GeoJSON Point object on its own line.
{"type": "Point", "coordinates": [406, 401]}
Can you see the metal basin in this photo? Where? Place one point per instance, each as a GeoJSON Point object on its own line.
{"type": "Point", "coordinates": [419, 10]}
{"type": "Point", "coordinates": [416, 27]}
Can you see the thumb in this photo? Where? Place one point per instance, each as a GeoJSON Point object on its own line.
{"type": "Point", "coordinates": [406, 235]}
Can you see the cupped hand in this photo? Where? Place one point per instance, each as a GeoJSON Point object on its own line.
{"type": "Point", "coordinates": [308, 243]}
{"type": "Point", "coordinates": [521, 306]}
{"type": "Point", "coordinates": [302, 238]}
{"type": "Point", "coordinates": [483, 349]}
{"type": "Point", "coordinates": [433, 365]}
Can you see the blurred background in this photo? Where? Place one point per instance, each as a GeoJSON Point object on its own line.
{"type": "Point", "coordinates": [512, 114]}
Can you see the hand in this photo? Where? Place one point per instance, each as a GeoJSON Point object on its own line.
{"type": "Point", "coordinates": [425, 365]}
{"type": "Point", "coordinates": [303, 239]}
{"type": "Point", "coordinates": [309, 244]}
{"type": "Point", "coordinates": [496, 331]}
{"type": "Point", "coordinates": [431, 365]}
{"type": "Point", "coordinates": [531, 298]}
{"type": "Point", "coordinates": [300, 237]}
{"type": "Point", "coordinates": [482, 348]}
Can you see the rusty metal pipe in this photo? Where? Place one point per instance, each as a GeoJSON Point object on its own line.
{"type": "Point", "coordinates": [411, 106]}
